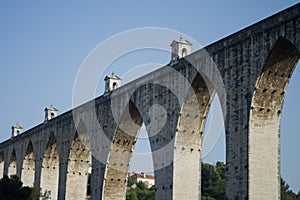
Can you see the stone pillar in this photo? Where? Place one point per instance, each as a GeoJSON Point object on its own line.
{"type": "Point", "coordinates": [121, 152]}
{"type": "Point", "coordinates": [28, 169]}
{"type": "Point", "coordinates": [265, 117]}
{"type": "Point", "coordinates": [12, 166]}
{"type": "Point", "coordinates": [77, 174]}
{"type": "Point", "coordinates": [101, 131]}
{"type": "Point", "coordinates": [50, 168]}
{"type": "Point", "coordinates": [38, 171]}
{"type": "Point", "coordinates": [160, 109]}
{"type": "Point", "coordinates": [97, 179]}
{"type": "Point", "coordinates": [62, 181]}
{"type": "Point", "coordinates": [188, 146]}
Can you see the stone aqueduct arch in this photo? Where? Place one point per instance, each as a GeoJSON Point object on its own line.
{"type": "Point", "coordinates": [265, 116]}
{"type": "Point", "coordinates": [255, 66]}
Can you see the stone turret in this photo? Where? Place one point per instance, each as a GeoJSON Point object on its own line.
{"type": "Point", "coordinates": [50, 113]}
{"type": "Point", "coordinates": [112, 82]}
{"type": "Point", "coordinates": [180, 49]}
{"type": "Point", "coordinates": [16, 130]}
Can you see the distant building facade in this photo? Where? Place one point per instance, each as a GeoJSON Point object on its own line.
{"type": "Point", "coordinates": [147, 179]}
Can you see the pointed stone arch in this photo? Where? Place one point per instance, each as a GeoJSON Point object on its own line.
{"type": "Point", "coordinates": [28, 168]}
{"type": "Point", "coordinates": [78, 165]}
{"type": "Point", "coordinates": [121, 151]}
{"type": "Point", "coordinates": [50, 168]}
{"type": "Point", "coordinates": [188, 140]}
{"type": "Point", "coordinates": [1, 164]}
{"type": "Point", "coordinates": [175, 133]}
{"type": "Point", "coordinates": [265, 117]}
{"type": "Point", "coordinates": [12, 167]}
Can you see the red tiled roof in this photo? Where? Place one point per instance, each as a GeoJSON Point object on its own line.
{"type": "Point", "coordinates": [146, 176]}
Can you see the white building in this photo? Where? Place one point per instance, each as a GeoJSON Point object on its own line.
{"type": "Point", "coordinates": [148, 180]}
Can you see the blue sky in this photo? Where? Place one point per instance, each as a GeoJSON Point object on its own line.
{"type": "Point", "coordinates": [43, 43]}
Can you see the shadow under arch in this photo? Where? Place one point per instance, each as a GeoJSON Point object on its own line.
{"type": "Point", "coordinates": [50, 168]}
{"type": "Point", "coordinates": [121, 152]}
{"type": "Point", "coordinates": [188, 140]}
{"type": "Point", "coordinates": [264, 121]}
{"type": "Point", "coordinates": [28, 170]}
{"type": "Point", "coordinates": [1, 164]}
{"type": "Point", "coordinates": [12, 167]}
{"type": "Point", "coordinates": [78, 165]}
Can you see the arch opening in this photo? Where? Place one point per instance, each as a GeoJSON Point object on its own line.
{"type": "Point", "coordinates": [78, 165]}
{"type": "Point", "coordinates": [213, 144]}
{"type": "Point", "coordinates": [141, 163]}
{"type": "Point", "coordinates": [184, 52]}
{"type": "Point", "coordinates": [289, 137]}
{"type": "Point", "coordinates": [213, 155]}
{"type": "Point", "coordinates": [265, 118]}
{"type": "Point", "coordinates": [28, 167]}
{"type": "Point", "coordinates": [50, 168]}
{"type": "Point", "coordinates": [12, 169]}
{"type": "Point", "coordinates": [114, 85]}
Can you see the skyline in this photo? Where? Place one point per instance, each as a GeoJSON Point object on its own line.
{"type": "Point", "coordinates": [44, 44]}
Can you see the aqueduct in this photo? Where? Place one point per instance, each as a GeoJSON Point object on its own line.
{"type": "Point", "coordinates": [248, 70]}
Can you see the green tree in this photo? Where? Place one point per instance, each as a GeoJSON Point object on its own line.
{"type": "Point", "coordinates": [213, 181]}
{"type": "Point", "coordinates": [129, 181]}
{"type": "Point", "coordinates": [212, 186]}
{"type": "Point", "coordinates": [286, 193]}
{"type": "Point", "coordinates": [221, 169]}
{"type": "Point", "coordinates": [141, 192]}
{"type": "Point", "coordinates": [131, 195]}
{"type": "Point", "coordinates": [11, 189]}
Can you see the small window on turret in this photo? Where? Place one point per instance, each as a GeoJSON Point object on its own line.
{"type": "Point", "coordinates": [114, 85]}
{"type": "Point", "coordinates": [184, 52]}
